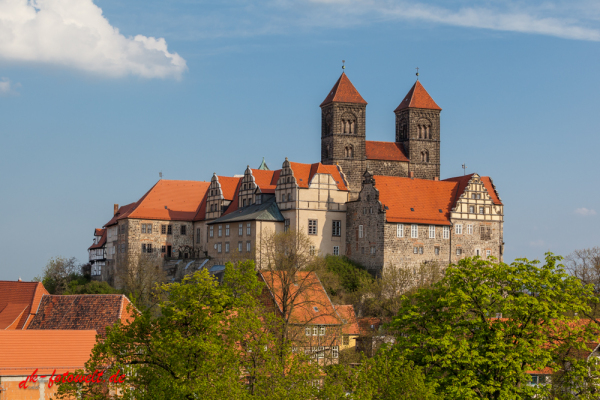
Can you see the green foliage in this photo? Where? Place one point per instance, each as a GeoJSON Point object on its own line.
{"type": "Point", "coordinates": [83, 286]}
{"type": "Point", "coordinates": [58, 274]}
{"type": "Point", "coordinates": [352, 275]}
{"type": "Point", "coordinates": [450, 329]}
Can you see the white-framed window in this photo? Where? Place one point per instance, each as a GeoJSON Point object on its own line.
{"type": "Point", "coordinates": [431, 231]}
{"type": "Point", "coordinates": [471, 209]}
{"type": "Point", "coordinates": [248, 246]}
{"type": "Point", "coordinates": [312, 250]}
{"type": "Point", "coordinates": [336, 228]}
{"type": "Point", "coordinates": [400, 230]}
{"type": "Point", "coordinates": [315, 331]}
{"type": "Point", "coordinates": [226, 247]}
{"type": "Point", "coordinates": [227, 230]}
{"type": "Point", "coordinates": [220, 231]}
{"type": "Point", "coordinates": [312, 226]}
{"type": "Point", "coordinates": [373, 250]}
{"type": "Point", "coordinates": [307, 331]}
{"type": "Point", "coordinates": [458, 229]}
{"type": "Point", "coordinates": [248, 228]}
{"type": "Point", "coordinates": [211, 231]}
{"type": "Point", "coordinates": [488, 253]}
{"type": "Point", "coordinates": [415, 250]}
{"type": "Point", "coordinates": [321, 331]}
{"type": "Point", "coordinates": [218, 247]}
{"type": "Point", "coordinates": [335, 351]}
{"type": "Point", "coordinates": [446, 232]}
{"type": "Point", "coordinates": [414, 231]}
{"type": "Point", "coordinates": [360, 231]}
{"type": "Point", "coordinates": [336, 250]}
{"type": "Point", "coordinates": [469, 229]}
{"type": "Point", "coordinates": [240, 246]}
{"type": "Point", "coordinates": [481, 210]}
{"type": "Point", "coordinates": [436, 250]}
{"type": "Point", "coordinates": [458, 251]}
{"type": "Point", "coordinates": [240, 229]}
{"type": "Point", "coordinates": [143, 230]}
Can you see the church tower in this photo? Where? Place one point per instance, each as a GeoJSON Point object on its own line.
{"type": "Point", "coordinates": [418, 130]}
{"type": "Point", "coordinates": [343, 131]}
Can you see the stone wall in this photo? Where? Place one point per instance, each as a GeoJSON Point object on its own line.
{"type": "Point", "coordinates": [414, 146]}
{"type": "Point", "coordinates": [387, 168]}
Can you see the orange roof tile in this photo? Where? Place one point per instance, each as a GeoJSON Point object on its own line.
{"type": "Point", "coordinates": [228, 186]}
{"type": "Point", "coordinates": [304, 174]}
{"type": "Point", "coordinates": [98, 232]}
{"type": "Point", "coordinates": [234, 205]}
{"type": "Point", "coordinates": [489, 186]}
{"type": "Point", "coordinates": [346, 312]}
{"type": "Point", "coordinates": [307, 299]}
{"type": "Point", "coordinates": [17, 294]}
{"type": "Point", "coordinates": [101, 242]}
{"type": "Point", "coordinates": [80, 312]}
{"type": "Point", "coordinates": [369, 325]}
{"type": "Point", "coordinates": [123, 212]}
{"type": "Point", "coordinates": [463, 181]}
{"type": "Point", "coordinates": [266, 180]}
{"type": "Point", "coordinates": [25, 351]}
{"type": "Point", "coordinates": [386, 151]}
{"type": "Point", "coordinates": [427, 198]}
{"type": "Point", "coordinates": [417, 97]}
{"type": "Point", "coordinates": [171, 200]}
{"type": "Point", "coordinates": [343, 92]}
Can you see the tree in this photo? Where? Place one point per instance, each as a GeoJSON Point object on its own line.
{"type": "Point", "coordinates": [585, 265]}
{"type": "Point", "coordinates": [59, 272]}
{"type": "Point", "coordinates": [478, 330]}
{"type": "Point", "coordinates": [138, 275]}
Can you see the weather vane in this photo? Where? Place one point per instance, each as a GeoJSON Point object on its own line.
{"type": "Point", "coordinates": [160, 174]}
{"type": "Point", "coordinates": [464, 167]}
{"type": "Point", "coordinates": [343, 66]}
{"type": "Point", "coordinates": [417, 73]}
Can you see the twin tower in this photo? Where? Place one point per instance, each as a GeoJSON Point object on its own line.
{"type": "Point", "coordinates": [415, 152]}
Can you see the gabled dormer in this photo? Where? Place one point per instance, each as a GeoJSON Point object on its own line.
{"type": "Point", "coordinates": [286, 192]}
{"type": "Point", "coordinates": [477, 199]}
{"type": "Point", "coordinates": [220, 195]}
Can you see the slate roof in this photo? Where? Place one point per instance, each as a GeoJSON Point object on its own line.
{"type": "Point", "coordinates": [267, 211]}
{"type": "Point", "coordinates": [343, 92]}
{"type": "Point", "coordinates": [386, 151]}
{"type": "Point", "coordinates": [25, 351]}
{"type": "Point", "coordinates": [19, 302]}
{"type": "Point", "coordinates": [304, 174]}
{"type": "Point", "coordinates": [81, 312]}
{"type": "Point", "coordinates": [311, 304]}
{"type": "Point", "coordinates": [417, 97]}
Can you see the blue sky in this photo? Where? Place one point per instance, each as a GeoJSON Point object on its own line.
{"type": "Point", "coordinates": [97, 97]}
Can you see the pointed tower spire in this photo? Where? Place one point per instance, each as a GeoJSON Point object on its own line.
{"type": "Point", "coordinates": [418, 97]}
{"type": "Point", "coordinates": [343, 92]}
{"type": "Point", "coordinates": [263, 165]}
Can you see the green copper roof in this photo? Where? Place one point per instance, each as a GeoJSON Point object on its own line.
{"type": "Point", "coordinates": [267, 211]}
{"type": "Point", "coordinates": [263, 165]}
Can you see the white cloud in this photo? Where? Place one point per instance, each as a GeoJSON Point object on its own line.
{"type": "Point", "coordinates": [75, 34]}
{"type": "Point", "coordinates": [537, 243]}
{"type": "Point", "coordinates": [585, 211]}
{"type": "Point", "coordinates": [8, 87]}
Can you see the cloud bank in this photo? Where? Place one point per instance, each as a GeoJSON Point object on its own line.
{"type": "Point", "coordinates": [75, 34]}
{"type": "Point", "coordinates": [585, 212]}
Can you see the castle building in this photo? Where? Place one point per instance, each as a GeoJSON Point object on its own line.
{"type": "Point", "coordinates": [379, 203]}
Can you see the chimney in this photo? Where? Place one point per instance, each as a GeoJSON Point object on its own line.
{"type": "Point", "coordinates": [116, 209]}
{"type": "Point", "coordinates": [411, 174]}
{"type": "Point", "coordinates": [437, 178]}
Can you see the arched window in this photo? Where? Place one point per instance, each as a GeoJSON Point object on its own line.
{"type": "Point", "coordinates": [327, 153]}
{"type": "Point", "coordinates": [426, 156]}
{"type": "Point", "coordinates": [349, 152]}
{"type": "Point", "coordinates": [422, 156]}
{"type": "Point", "coordinates": [427, 133]}
{"type": "Point", "coordinates": [420, 132]}
{"type": "Point", "coordinates": [351, 126]}
{"type": "Point", "coordinates": [345, 126]}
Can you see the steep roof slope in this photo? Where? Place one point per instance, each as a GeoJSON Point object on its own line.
{"type": "Point", "coordinates": [18, 302]}
{"type": "Point", "coordinates": [101, 242]}
{"type": "Point", "coordinates": [343, 92]}
{"type": "Point", "coordinates": [122, 212]}
{"type": "Point", "coordinates": [417, 97]}
{"type": "Point", "coordinates": [385, 151]}
{"type": "Point", "coordinates": [304, 173]}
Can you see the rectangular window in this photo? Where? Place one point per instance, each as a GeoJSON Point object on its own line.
{"type": "Point", "coordinates": [240, 246]}
{"type": "Point", "coordinates": [182, 230]}
{"type": "Point", "coordinates": [248, 246]}
{"type": "Point", "coordinates": [312, 250]}
{"type": "Point", "coordinates": [420, 250]}
{"type": "Point", "coordinates": [169, 229]}
{"type": "Point", "coordinates": [458, 251]}
{"type": "Point", "coordinates": [286, 225]}
{"type": "Point", "coordinates": [163, 229]}
{"type": "Point", "coordinates": [360, 231]}
{"type": "Point", "coordinates": [211, 231]}
{"type": "Point", "coordinates": [248, 229]}
{"type": "Point", "coordinates": [414, 231]}
{"type": "Point", "coordinates": [488, 253]}
{"type": "Point", "coordinates": [458, 229]}
{"type": "Point", "coordinates": [240, 229]}
{"type": "Point", "coordinates": [373, 250]}
{"type": "Point", "coordinates": [218, 247]}
{"type": "Point", "coordinates": [321, 331]}
{"type": "Point", "coordinates": [315, 331]}
{"type": "Point", "coordinates": [415, 250]}
{"type": "Point", "coordinates": [335, 351]}
{"type": "Point", "coordinates": [149, 248]}
{"type": "Point", "coordinates": [149, 228]}
{"type": "Point", "coordinates": [481, 210]}
{"type": "Point", "coordinates": [312, 226]}
{"type": "Point", "coordinates": [227, 230]}
{"type": "Point", "coordinates": [220, 234]}
{"type": "Point", "coordinates": [197, 235]}
{"type": "Point", "coordinates": [431, 231]}
{"type": "Point", "coordinates": [307, 331]}
{"type": "Point", "coordinates": [436, 250]}
{"type": "Point", "coordinates": [226, 247]}
{"type": "Point", "coordinates": [163, 249]}
{"type": "Point", "coordinates": [486, 233]}
{"type": "Point", "coordinates": [469, 229]}
{"type": "Point", "coordinates": [446, 232]}
{"type": "Point", "coordinates": [336, 250]}
{"type": "Point", "coordinates": [143, 247]}
{"type": "Point", "coordinates": [400, 230]}
{"type": "Point", "coordinates": [336, 229]}
{"type": "Point", "coordinates": [362, 250]}
{"type": "Point", "coordinates": [471, 209]}
{"type": "Point", "coordinates": [143, 228]}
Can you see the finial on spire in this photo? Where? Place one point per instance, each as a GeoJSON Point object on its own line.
{"type": "Point", "coordinates": [160, 174]}
{"type": "Point", "coordinates": [464, 167]}
{"type": "Point", "coordinates": [343, 65]}
{"type": "Point", "coordinates": [417, 73]}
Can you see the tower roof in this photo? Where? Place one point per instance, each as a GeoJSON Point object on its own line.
{"type": "Point", "coordinates": [417, 97]}
{"type": "Point", "coordinates": [343, 92]}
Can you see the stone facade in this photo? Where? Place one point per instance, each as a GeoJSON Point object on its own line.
{"type": "Point", "coordinates": [387, 168]}
{"type": "Point", "coordinates": [418, 130]}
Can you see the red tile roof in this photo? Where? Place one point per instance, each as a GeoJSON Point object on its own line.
{"type": "Point", "coordinates": [123, 212]}
{"type": "Point", "coordinates": [171, 200]}
{"type": "Point", "coordinates": [266, 180]}
{"type": "Point", "coordinates": [25, 351]}
{"type": "Point", "coordinates": [307, 299]}
{"type": "Point", "coordinates": [304, 174]}
{"type": "Point", "coordinates": [417, 97]}
{"type": "Point", "coordinates": [386, 151]}
{"type": "Point", "coordinates": [81, 312]}
{"type": "Point", "coordinates": [489, 186]}
{"type": "Point", "coordinates": [98, 232]}
{"type": "Point", "coordinates": [229, 186]}
{"type": "Point", "coordinates": [346, 312]}
{"type": "Point", "coordinates": [463, 181]}
{"type": "Point", "coordinates": [19, 301]}
{"type": "Point", "coordinates": [343, 92]}
{"type": "Point", "coordinates": [102, 240]}
{"type": "Point", "coordinates": [369, 325]}
{"type": "Point", "coordinates": [425, 197]}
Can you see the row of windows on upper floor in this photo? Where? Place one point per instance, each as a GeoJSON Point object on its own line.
{"type": "Point", "coordinates": [423, 132]}
{"type": "Point", "coordinates": [211, 230]}
{"type": "Point", "coordinates": [219, 247]}
{"type": "Point", "coordinates": [164, 229]}
{"type": "Point", "coordinates": [485, 231]}
{"type": "Point", "coordinates": [436, 251]}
